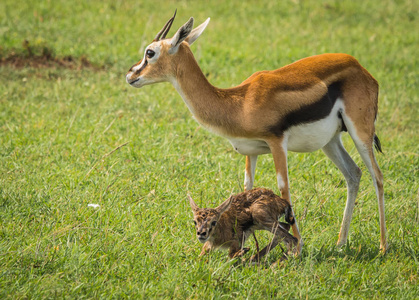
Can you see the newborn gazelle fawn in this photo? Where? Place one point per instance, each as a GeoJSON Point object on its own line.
{"type": "Point", "coordinates": [230, 224]}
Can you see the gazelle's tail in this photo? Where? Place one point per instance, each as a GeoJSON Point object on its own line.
{"type": "Point", "coordinates": [289, 218]}
{"type": "Point", "coordinates": [377, 143]}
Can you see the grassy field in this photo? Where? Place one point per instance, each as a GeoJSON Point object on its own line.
{"type": "Point", "coordinates": [75, 133]}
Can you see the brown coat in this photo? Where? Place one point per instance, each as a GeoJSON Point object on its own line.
{"type": "Point", "coordinates": [230, 224]}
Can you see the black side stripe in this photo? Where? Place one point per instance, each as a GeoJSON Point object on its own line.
{"type": "Point", "coordinates": [310, 113]}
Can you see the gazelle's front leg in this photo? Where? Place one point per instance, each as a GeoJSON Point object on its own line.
{"type": "Point", "coordinates": [278, 148]}
{"type": "Point", "coordinates": [249, 173]}
{"type": "Point", "coordinates": [205, 249]}
{"type": "Point", "coordinates": [235, 250]}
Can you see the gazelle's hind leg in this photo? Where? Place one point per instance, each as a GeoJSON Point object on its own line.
{"type": "Point", "coordinates": [367, 153]}
{"type": "Point", "coordinates": [264, 251]}
{"type": "Point", "coordinates": [280, 234]}
{"type": "Point", "coordinates": [364, 143]}
{"type": "Point", "coordinates": [340, 157]}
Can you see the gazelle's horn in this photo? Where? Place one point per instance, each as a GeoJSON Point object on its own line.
{"type": "Point", "coordinates": [165, 30]}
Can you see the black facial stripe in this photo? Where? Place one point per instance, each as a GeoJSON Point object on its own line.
{"type": "Point", "coordinates": [142, 68]}
{"type": "Point", "coordinates": [310, 113]}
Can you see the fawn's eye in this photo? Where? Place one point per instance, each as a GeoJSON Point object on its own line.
{"type": "Point", "coordinates": [150, 53]}
{"type": "Point", "coordinates": [194, 222]}
{"type": "Point", "coordinates": [213, 223]}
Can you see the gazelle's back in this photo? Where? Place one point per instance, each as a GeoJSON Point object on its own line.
{"type": "Point", "coordinates": [257, 206]}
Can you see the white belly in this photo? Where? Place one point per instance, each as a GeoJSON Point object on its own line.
{"type": "Point", "coordinates": [310, 137]}
{"type": "Point", "coordinates": [306, 137]}
{"type": "Point", "coordinates": [249, 146]}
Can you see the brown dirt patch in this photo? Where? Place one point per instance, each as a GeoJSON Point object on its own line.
{"type": "Point", "coordinates": [41, 61]}
{"type": "Point", "coordinates": [44, 58]}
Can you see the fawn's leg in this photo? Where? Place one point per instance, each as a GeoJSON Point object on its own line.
{"type": "Point", "coordinates": [205, 249]}
{"type": "Point", "coordinates": [280, 234]}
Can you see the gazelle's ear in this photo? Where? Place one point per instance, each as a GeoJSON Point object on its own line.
{"type": "Point", "coordinates": [192, 203]}
{"type": "Point", "coordinates": [180, 36]}
{"type": "Point", "coordinates": [196, 32]}
{"type": "Point", "coordinates": [225, 205]}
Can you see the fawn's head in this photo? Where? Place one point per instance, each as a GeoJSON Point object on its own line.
{"type": "Point", "coordinates": [206, 219]}
{"type": "Point", "coordinates": [160, 57]}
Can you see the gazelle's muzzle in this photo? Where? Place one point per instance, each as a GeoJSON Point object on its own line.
{"type": "Point", "coordinates": [203, 233]}
{"type": "Point", "coordinates": [130, 80]}
{"type": "Point", "coordinates": [133, 76]}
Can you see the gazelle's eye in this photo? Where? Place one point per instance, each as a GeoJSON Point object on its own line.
{"type": "Point", "coordinates": [213, 223]}
{"type": "Point", "coordinates": [150, 53]}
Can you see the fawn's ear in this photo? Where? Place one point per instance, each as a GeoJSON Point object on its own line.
{"type": "Point", "coordinates": [225, 205]}
{"type": "Point", "coordinates": [192, 203]}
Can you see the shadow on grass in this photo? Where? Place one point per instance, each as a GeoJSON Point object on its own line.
{"type": "Point", "coordinates": [358, 253]}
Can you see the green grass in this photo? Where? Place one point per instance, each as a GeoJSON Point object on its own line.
{"type": "Point", "coordinates": [58, 128]}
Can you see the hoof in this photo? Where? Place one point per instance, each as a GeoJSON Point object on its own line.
{"type": "Point", "coordinates": [384, 248]}
{"type": "Point", "coordinates": [299, 248]}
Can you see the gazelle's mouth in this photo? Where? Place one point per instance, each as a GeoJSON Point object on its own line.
{"type": "Point", "coordinates": [132, 82]}
{"type": "Point", "coordinates": [202, 240]}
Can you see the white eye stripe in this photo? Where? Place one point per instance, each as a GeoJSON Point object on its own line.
{"type": "Point", "coordinates": [136, 68]}
{"type": "Point", "coordinates": [147, 59]}
{"type": "Point", "coordinates": [153, 49]}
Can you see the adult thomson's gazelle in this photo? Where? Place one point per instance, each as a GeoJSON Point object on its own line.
{"type": "Point", "coordinates": [301, 107]}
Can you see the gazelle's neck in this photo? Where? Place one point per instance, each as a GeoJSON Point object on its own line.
{"type": "Point", "coordinates": [225, 231]}
{"type": "Point", "coordinates": [212, 107]}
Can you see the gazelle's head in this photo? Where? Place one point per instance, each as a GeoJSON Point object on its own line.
{"type": "Point", "coordinates": [206, 219]}
{"type": "Point", "coordinates": [160, 57]}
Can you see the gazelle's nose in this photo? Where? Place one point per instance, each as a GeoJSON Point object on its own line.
{"type": "Point", "coordinates": [201, 234]}
{"type": "Point", "coordinates": [130, 80]}
{"type": "Point", "coordinates": [128, 77]}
